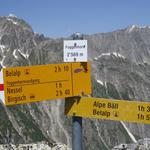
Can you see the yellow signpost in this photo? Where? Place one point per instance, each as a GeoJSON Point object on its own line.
{"type": "Point", "coordinates": [100, 108]}
{"type": "Point", "coordinates": [45, 82]}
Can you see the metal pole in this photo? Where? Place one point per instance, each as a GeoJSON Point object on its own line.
{"type": "Point", "coordinates": [77, 121]}
{"type": "Point", "coordinates": [77, 133]}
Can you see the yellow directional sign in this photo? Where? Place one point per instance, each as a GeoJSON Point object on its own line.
{"type": "Point", "coordinates": [44, 82]}
{"type": "Point", "coordinates": [98, 108]}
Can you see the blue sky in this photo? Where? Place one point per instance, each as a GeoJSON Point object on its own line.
{"type": "Point", "coordinates": [60, 18]}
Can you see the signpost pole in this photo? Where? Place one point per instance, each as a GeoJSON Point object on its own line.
{"type": "Point", "coordinates": [77, 121]}
{"type": "Point", "coordinates": [77, 133]}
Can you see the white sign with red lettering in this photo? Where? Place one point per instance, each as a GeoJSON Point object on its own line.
{"type": "Point", "coordinates": [2, 97]}
{"type": "Point", "coordinates": [75, 51]}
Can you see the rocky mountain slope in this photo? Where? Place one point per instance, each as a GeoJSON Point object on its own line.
{"type": "Point", "coordinates": [120, 69]}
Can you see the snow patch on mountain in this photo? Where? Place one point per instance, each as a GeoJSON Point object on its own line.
{"type": "Point", "coordinates": [23, 54]}
{"type": "Point", "coordinates": [18, 52]}
{"type": "Point", "coordinates": [128, 131]}
{"type": "Point", "coordinates": [2, 47]}
{"type": "Point", "coordinates": [100, 82]}
{"type": "Point", "coordinates": [1, 62]}
{"type": "Point", "coordinates": [118, 55]}
{"type": "Point", "coordinates": [133, 27]}
{"type": "Point", "coordinates": [121, 147]}
{"type": "Point", "coordinates": [14, 22]}
{"type": "Point", "coordinates": [15, 53]}
{"type": "Point", "coordinates": [110, 54]}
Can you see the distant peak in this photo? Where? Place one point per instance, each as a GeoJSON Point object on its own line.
{"type": "Point", "coordinates": [133, 27]}
{"type": "Point", "coordinates": [12, 16]}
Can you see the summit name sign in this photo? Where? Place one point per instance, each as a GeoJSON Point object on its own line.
{"type": "Point", "coordinates": [75, 51]}
{"type": "Point", "coordinates": [45, 82]}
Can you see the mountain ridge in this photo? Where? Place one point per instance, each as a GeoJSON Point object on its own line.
{"type": "Point", "coordinates": [120, 70]}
